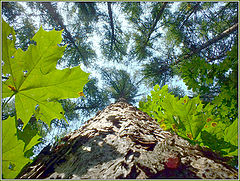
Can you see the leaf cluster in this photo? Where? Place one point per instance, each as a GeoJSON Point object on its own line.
{"type": "Point", "coordinates": [35, 83]}
{"type": "Point", "coordinates": [216, 79]}
{"type": "Point", "coordinates": [192, 120]}
{"type": "Point", "coordinates": [157, 71]}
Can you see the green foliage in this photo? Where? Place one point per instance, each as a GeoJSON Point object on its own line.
{"type": "Point", "coordinates": [36, 84]}
{"type": "Point", "coordinates": [114, 46]}
{"type": "Point", "coordinates": [141, 49]}
{"type": "Point", "coordinates": [34, 79]}
{"type": "Point", "coordinates": [193, 24]}
{"type": "Point", "coordinates": [69, 109]}
{"type": "Point", "coordinates": [145, 32]}
{"type": "Point", "coordinates": [202, 77]}
{"type": "Point", "coordinates": [190, 119]}
{"type": "Point", "coordinates": [13, 149]}
{"type": "Point", "coordinates": [95, 99]}
{"type": "Point", "coordinates": [29, 134]}
{"type": "Point", "coordinates": [227, 73]}
{"type": "Point", "coordinates": [38, 87]}
{"type": "Point", "coordinates": [231, 133]}
{"type": "Point", "coordinates": [197, 74]}
{"type": "Point", "coordinates": [87, 12]}
{"type": "Point", "coordinates": [133, 10]}
{"type": "Point", "coordinates": [177, 91]}
{"type": "Point", "coordinates": [120, 85]}
{"type": "Point", "coordinates": [74, 56]}
{"type": "Point", "coordinates": [158, 71]}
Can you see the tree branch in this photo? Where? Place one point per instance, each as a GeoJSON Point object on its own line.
{"type": "Point", "coordinates": [211, 41]}
{"type": "Point", "coordinates": [193, 10]}
{"type": "Point", "coordinates": [215, 39]}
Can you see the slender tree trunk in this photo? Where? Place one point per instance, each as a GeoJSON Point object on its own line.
{"type": "Point", "coordinates": [114, 40]}
{"type": "Point", "coordinates": [224, 34]}
{"type": "Point", "coordinates": [215, 39]}
{"type": "Point", "coordinates": [58, 19]}
{"type": "Point", "coordinates": [111, 24]}
{"type": "Point", "coordinates": [160, 13]}
{"type": "Point", "coordinates": [123, 142]}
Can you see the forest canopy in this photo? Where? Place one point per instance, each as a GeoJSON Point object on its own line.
{"type": "Point", "coordinates": [73, 59]}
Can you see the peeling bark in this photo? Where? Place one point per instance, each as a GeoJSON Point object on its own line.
{"type": "Point", "coordinates": [124, 142]}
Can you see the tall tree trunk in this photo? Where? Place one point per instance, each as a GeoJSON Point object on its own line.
{"type": "Point", "coordinates": [224, 34]}
{"type": "Point", "coordinates": [160, 13]}
{"type": "Point", "coordinates": [111, 24]}
{"type": "Point", "coordinates": [215, 39]}
{"type": "Point", "coordinates": [58, 19]}
{"type": "Point", "coordinates": [123, 142]}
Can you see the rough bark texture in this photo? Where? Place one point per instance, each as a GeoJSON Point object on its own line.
{"type": "Point", "coordinates": [123, 142]}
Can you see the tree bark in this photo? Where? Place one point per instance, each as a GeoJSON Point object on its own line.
{"type": "Point", "coordinates": [124, 142]}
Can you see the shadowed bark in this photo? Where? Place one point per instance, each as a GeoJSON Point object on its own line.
{"type": "Point", "coordinates": [123, 142]}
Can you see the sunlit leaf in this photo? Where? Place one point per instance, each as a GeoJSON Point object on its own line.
{"type": "Point", "coordinates": [231, 133]}
{"type": "Point", "coordinates": [35, 81]}
{"type": "Point", "coordinates": [13, 158]}
{"type": "Point", "coordinates": [191, 120]}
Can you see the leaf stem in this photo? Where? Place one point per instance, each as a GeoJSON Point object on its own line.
{"type": "Point", "coordinates": [5, 103]}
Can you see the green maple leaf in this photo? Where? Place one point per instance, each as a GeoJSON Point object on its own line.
{"type": "Point", "coordinates": [13, 159]}
{"type": "Point", "coordinates": [29, 135]}
{"type": "Point", "coordinates": [34, 79]}
{"type": "Point", "coordinates": [8, 39]}
{"type": "Point", "coordinates": [231, 133]}
{"type": "Point", "coordinates": [231, 136]}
